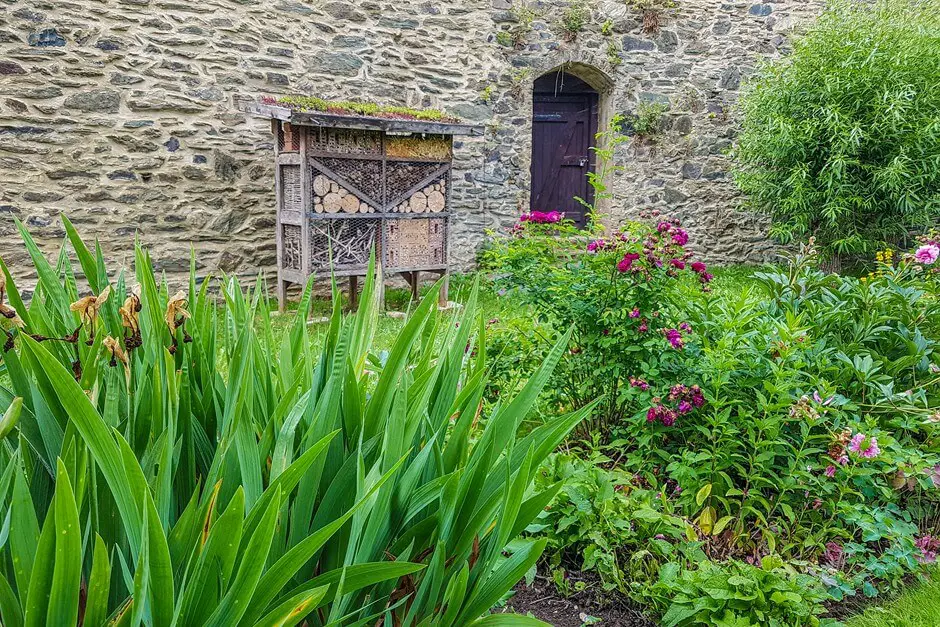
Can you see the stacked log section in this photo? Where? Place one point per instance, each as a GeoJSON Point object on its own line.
{"type": "Point", "coordinates": [431, 199]}
{"type": "Point", "coordinates": [331, 197]}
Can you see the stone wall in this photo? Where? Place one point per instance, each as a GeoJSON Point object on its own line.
{"type": "Point", "coordinates": [122, 113]}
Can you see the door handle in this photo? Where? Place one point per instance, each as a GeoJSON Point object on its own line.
{"type": "Point", "coordinates": [582, 162]}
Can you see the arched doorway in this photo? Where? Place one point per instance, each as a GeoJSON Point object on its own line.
{"type": "Point", "coordinates": [564, 125]}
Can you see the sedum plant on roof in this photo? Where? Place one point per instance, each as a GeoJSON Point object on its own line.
{"type": "Point", "coordinates": [329, 486]}
{"type": "Point", "coordinates": [337, 107]}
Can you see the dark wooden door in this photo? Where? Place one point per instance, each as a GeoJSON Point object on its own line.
{"type": "Point", "coordinates": [563, 129]}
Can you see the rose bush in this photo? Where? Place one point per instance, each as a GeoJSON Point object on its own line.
{"type": "Point", "coordinates": [622, 292]}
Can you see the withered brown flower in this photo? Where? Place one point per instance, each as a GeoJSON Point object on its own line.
{"type": "Point", "coordinates": [117, 353]}
{"type": "Point", "coordinates": [176, 313]}
{"type": "Point", "coordinates": [88, 308]}
{"type": "Point", "coordinates": [130, 313]}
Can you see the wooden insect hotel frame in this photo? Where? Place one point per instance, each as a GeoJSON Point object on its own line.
{"type": "Point", "coordinates": [347, 183]}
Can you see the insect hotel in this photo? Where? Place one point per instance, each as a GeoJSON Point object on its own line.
{"type": "Point", "coordinates": [347, 183]}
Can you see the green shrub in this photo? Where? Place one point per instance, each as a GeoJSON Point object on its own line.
{"type": "Point", "coordinates": [330, 486]}
{"type": "Point", "coordinates": [841, 139]}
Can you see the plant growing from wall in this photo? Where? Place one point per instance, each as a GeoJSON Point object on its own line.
{"type": "Point", "coordinates": [613, 53]}
{"type": "Point", "coordinates": [648, 121]}
{"type": "Point", "coordinates": [574, 19]}
{"type": "Point", "coordinates": [518, 80]}
{"type": "Point", "coordinates": [841, 139]}
{"type": "Point", "coordinates": [652, 12]}
{"type": "Point", "coordinates": [515, 36]}
{"type": "Point", "coordinates": [607, 28]}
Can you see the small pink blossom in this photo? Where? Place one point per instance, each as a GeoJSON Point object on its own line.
{"type": "Point", "coordinates": [872, 450]}
{"type": "Point", "coordinates": [635, 313]}
{"type": "Point", "coordinates": [596, 245]}
{"type": "Point", "coordinates": [927, 254]}
{"type": "Point", "coordinates": [674, 337]}
{"type": "Point", "coordinates": [830, 471]}
{"type": "Point", "coordinates": [855, 445]}
{"type": "Point", "coordinates": [680, 237]}
{"type": "Point", "coordinates": [541, 217]}
{"type": "Point", "coordinates": [627, 262]}
{"type": "Point", "coordinates": [819, 399]}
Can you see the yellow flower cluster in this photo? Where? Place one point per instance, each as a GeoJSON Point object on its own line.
{"type": "Point", "coordinates": [884, 259]}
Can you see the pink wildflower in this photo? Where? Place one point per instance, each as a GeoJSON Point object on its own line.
{"type": "Point", "coordinates": [698, 266]}
{"type": "Point", "coordinates": [643, 328]}
{"type": "Point", "coordinates": [872, 450]}
{"type": "Point", "coordinates": [855, 445]}
{"type": "Point", "coordinates": [927, 254]}
{"type": "Point", "coordinates": [627, 262]}
{"type": "Point", "coordinates": [685, 407]}
{"type": "Point", "coordinates": [635, 313]}
{"type": "Point", "coordinates": [830, 471]}
{"type": "Point", "coordinates": [677, 263]}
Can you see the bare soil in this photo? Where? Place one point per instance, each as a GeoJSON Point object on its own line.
{"type": "Point", "coordinates": [543, 601]}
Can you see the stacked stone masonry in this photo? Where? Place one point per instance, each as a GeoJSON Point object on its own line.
{"type": "Point", "coordinates": [123, 113]}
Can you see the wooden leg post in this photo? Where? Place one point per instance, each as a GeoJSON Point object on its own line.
{"type": "Point", "coordinates": [353, 292]}
{"type": "Point", "coordinates": [380, 285]}
{"type": "Point", "coordinates": [442, 299]}
{"type": "Point", "coordinates": [281, 295]}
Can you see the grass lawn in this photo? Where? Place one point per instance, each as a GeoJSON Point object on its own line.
{"type": "Point", "coordinates": [918, 607]}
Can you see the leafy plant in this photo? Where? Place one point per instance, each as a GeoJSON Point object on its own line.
{"type": "Point", "coordinates": [574, 19]}
{"type": "Point", "coordinates": [840, 140]}
{"type": "Point", "coordinates": [167, 461]}
{"type": "Point", "coordinates": [647, 123]}
{"type": "Point", "coordinates": [518, 32]}
{"type": "Point", "coordinates": [613, 54]}
{"type": "Point", "coordinates": [734, 593]}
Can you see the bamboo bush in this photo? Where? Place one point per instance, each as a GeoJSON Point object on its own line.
{"type": "Point", "coordinates": [167, 462]}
